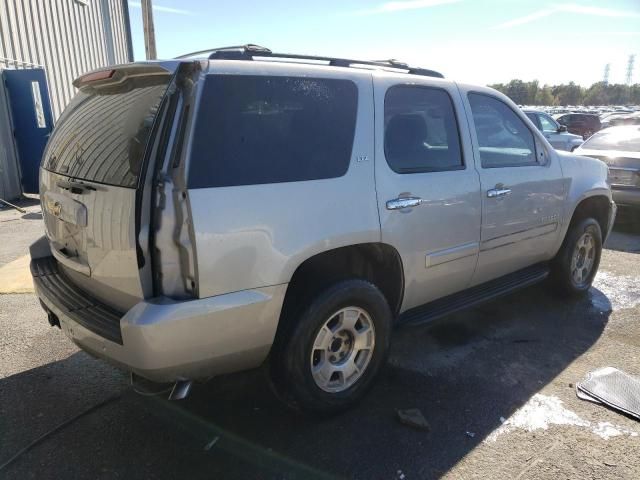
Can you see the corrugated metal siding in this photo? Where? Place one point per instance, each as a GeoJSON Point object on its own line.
{"type": "Point", "coordinates": [66, 37]}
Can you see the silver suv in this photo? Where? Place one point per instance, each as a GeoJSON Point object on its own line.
{"type": "Point", "coordinates": [213, 214]}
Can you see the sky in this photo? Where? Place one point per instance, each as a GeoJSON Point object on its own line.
{"type": "Point", "coordinates": [474, 41]}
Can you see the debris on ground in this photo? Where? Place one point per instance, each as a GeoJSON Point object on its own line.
{"type": "Point", "coordinates": [470, 434]}
{"type": "Point", "coordinates": [413, 418]}
{"type": "Point", "coordinates": [543, 411]}
{"type": "Point", "coordinates": [210, 445]}
{"type": "Point", "coordinates": [612, 387]}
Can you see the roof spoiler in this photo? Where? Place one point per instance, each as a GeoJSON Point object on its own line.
{"type": "Point", "coordinates": [120, 73]}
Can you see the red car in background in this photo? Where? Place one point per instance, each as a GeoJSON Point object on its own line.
{"type": "Point", "coordinates": [584, 124]}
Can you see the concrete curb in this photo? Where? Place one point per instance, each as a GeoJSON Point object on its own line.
{"type": "Point", "coordinates": [15, 277]}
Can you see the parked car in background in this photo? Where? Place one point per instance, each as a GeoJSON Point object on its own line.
{"type": "Point", "coordinates": [225, 210]}
{"type": "Point", "coordinates": [557, 134]}
{"type": "Point", "coordinates": [619, 148]}
{"type": "Point", "coordinates": [583, 124]}
{"type": "Point", "coordinates": [619, 120]}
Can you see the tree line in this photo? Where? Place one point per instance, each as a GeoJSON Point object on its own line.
{"type": "Point", "coordinates": [600, 93]}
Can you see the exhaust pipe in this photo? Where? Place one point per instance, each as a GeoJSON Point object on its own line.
{"type": "Point", "coordinates": [146, 387]}
{"type": "Point", "coordinates": [180, 390]}
{"type": "Point", "coordinates": [53, 319]}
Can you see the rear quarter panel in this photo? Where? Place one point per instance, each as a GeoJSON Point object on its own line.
{"type": "Point", "coordinates": [257, 235]}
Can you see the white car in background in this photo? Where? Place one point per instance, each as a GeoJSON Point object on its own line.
{"type": "Point", "coordinates": [557, 134]}
{"type": "Point", "coordinates": [619, 148]}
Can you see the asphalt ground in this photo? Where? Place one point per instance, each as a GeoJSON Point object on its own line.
{"type": "Point", "coordinates": [495, 383]}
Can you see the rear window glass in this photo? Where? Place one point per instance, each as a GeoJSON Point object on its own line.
{"type": "Point", "coordinates": [264, 129]}
{"type": "Point", "coordinates": [624, 139]}
{"type": "Point", "coordinates": [102, 135]}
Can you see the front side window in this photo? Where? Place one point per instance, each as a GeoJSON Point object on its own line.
{"type": "Point", "coordinates": [263, 129]}
{"type": "Point", "coordinates": [548, 125]}
{"type": "Point", "coordinates": [503, 138]}
{"type": "Point", "coordinates": [420, 130]}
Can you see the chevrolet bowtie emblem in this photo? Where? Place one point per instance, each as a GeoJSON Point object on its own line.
{"type": "Point", "coordinates": [55, 208]}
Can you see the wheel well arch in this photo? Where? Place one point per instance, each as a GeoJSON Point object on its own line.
{"type": "Point", "coordinates": [596, 206]}
{"type": "Point", "coordinates": [379, 263]}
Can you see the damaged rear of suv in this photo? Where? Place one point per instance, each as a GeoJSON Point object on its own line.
{"type": "Point", "coordinates": [117, 268]}
{"type": "Point", "coordinates": [154, 258]}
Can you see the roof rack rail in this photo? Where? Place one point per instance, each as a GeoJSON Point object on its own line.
{"type": "Point", "coordinates": [251, 51]}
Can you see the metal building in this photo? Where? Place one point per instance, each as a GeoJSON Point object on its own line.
{"type": "Point", "coordinates": [9, 170]}
{"type": "Point", "coordinates": [65, 37]}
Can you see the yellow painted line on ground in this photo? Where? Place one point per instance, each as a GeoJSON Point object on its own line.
{"type": "Point", "coordinates": [15, 277]}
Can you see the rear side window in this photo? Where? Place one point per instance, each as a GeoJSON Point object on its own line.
{"type": "Point", "coordinates": [264, 129]}
{"type": "Point", "coordinates": [420, 130]}
{"type": "Point", "coordinates": [503, 138]}
{"type": "Point", "coordinates": [594, 121]}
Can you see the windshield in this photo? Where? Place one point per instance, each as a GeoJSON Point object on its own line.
{"type": "Point", "coordinates": [102, 134]}
{"type": "Point", "coordinates": [626, 140]}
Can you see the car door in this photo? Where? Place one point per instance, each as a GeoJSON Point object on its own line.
{"type": "Point", "coordinates": [428, 189]}
{"type": "Point", "coordinates": [575, 124]}
{"type": "Point", "coordinates": [549, 129]}
{"type": "Point", "coordinates": [522, 188]}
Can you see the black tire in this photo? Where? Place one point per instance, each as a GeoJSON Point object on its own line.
{"type": "Point", "coordinates": [561, 268]}
{"type": "Point", "coordinates": [291, 357]}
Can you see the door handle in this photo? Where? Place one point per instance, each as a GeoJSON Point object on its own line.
{"type": "Point", "coordinates": [498, 192]}
{"type": "Point", "coordinates": [403, 202]}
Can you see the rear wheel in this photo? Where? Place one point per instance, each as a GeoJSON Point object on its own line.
{"type": "Point", "coordinates": [576, 264]}
{"type": "Point", "coordinates": [329, 354]}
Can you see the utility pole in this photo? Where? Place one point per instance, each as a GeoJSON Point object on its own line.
{"type": "Point", "coordinates": [149, 31]}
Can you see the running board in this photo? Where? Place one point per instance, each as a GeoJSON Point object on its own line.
{"type": "Point", "coordinates": [474, 295]}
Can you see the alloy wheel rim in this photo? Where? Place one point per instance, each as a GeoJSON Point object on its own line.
{"type": "Point", "coordinates": [583, 259]}
{"type": "Point", "coordinates": [342, 349]}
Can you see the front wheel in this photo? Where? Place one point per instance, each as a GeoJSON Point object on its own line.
{"type": "Point", "coordinates": [329, 355]}
{"type": "Point", "coordinates": [576, 264]}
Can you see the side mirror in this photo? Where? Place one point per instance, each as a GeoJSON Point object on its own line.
{"type": "Point", "coordinates": [562, 128]}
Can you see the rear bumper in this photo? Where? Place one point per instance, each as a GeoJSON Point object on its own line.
{"type": "Point", "coordinates": [166, 340]}
{"type": "Point", "coordinates": [628, 197]}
